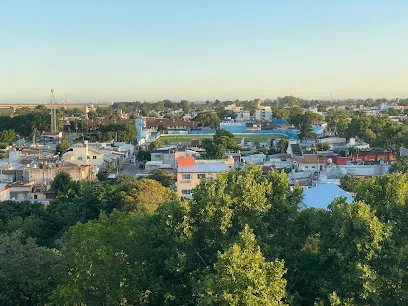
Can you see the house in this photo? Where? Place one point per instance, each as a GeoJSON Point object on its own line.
{"type": "Point", "coordinates": [374, 155]}
{"type": "Point", "coordinates": [307, 162]}
{"type": "Point", "coordinates": [279, 161]}
{"type": "Point", "coordinates": [82, 155]}
{"type": "Point", "coordinates": [233, 107]}
{"type": "Point", "coordinates": [45, 173]}
{"type": "Point", "coordinates": [191, 171]}
{"type": "Point", "coordinates": [254, 159]}
{"type": "Point", "coordinates": [323, 195]}
{"type": "Point", "coordinates": [48, 137]}
{"type": "Point", "coordinates": [20, 191]}
{"type": "Point", "coordinates": [170, 155]}
{"type": "Point", "coordinates": [171, 124]}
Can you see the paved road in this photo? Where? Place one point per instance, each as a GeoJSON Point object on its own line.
{"type": "Point", "coordinates": [131, 169]}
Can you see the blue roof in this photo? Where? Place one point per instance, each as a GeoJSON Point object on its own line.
{"type": "Point", "coordinates": [321, 196]}
{"type": "Point", "coordinates": [317, 129]}
{"type": "Point", "coordinates": [279, 121]}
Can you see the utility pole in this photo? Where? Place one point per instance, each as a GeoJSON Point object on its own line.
{"type": "Point", "coordinates": [53, 112]}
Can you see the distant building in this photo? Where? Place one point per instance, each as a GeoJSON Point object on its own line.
{"type": "Point", "coordinates": [371, 156]}
{"type": "Point", "coordinates": [263, 114]}
{"type": "Point", "coordinates": [172, 124]}
{"type": "Point", "coordinates": [233, 107]}
{"type": "Point", "coordinates": [234, 127]}
{"type": "Point", "coordinates": [47, 137]}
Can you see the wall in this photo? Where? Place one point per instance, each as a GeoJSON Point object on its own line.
{"type": "Point", "coordinates": [40, 176]}
{"type": "Point", "coordinates": [192, 182]}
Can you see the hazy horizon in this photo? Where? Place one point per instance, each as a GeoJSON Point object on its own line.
{"type": "Point", "coordinates": [226, 50]}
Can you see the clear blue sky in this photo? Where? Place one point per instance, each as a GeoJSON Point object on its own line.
{"type": "Point", "coordinates": [198, 50]}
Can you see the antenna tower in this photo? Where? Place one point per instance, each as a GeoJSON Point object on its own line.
{"type": "Point", "coordinates": [53, 108]}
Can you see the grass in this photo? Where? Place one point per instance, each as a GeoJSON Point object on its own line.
{"type": "Point", "coordinates": [176, 139]}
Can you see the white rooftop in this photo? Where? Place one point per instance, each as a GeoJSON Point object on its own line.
{"type": "Point", "coordinates": [321, 196]}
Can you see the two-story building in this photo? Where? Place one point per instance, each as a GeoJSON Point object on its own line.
{"type": "Point", "coordinates": [191, 171]}
{"type": "Point", "coordinates": [82, 155]}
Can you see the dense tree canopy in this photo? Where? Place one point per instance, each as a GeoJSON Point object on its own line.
{"type": "Point", "coordinates": [7, 136]}
{"type": "Point", "coordinates": [241, 240]}
{"type": "Point", "coordinates": [208, 119]}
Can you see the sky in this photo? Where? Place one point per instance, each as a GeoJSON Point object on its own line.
{"type": "Point", "coordinates": [92, 51]}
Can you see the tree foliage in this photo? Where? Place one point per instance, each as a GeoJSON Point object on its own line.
{"type": "Point", "coordinates": [135, 242]}
{"type": "Point", "coordinates": [62, 147]}
{"type": "Point", "coordinates": [242, 276]}
{"type": "Point", "coordinates": [208, 119]}
{"type": "Point", "coordinates": [7, 136]}
{"type": "Point", "coordinates": [162, 176]}
{"type": "Point", "coordinates": [222, 141]}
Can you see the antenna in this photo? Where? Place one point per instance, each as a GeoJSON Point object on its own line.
{"type": "Point", "coordinates": [53, 108]}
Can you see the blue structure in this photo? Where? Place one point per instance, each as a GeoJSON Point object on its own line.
{"type": "Point", "coordinates": [279, 121]}
{"type": "Point", "coordinates": [289, 133]}
{"type": "Point", "coordinates": [234, 127]}
{"type": "Point", "coordinates": [140, 124]}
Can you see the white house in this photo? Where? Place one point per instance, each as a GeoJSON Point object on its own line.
{"type": "Point", "coordinates": [84, 155]}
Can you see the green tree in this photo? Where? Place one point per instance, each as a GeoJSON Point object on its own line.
{"type": "Point", "coordinates": [242, 276]}
{"type": "Point", "coordinates": [401, 165]}
{"type": "Point", "coordinates": [26, 271]}
{"type": "Point", "coordinates": [304, 123]}
{"type": "Point", "coordinates": [323, 146]}
{"type": "Point", "coordinates": [162, 176]}
{"type": "Point", "coordinates": [282, 145]}
{"type": "Point", "coordinates": [143, 155]}
{"type": "Point", "coordinates": [7, 136]}
{"type": "Point", "coordinates": [208, 119]}
{"type": "Point", "coordinates": [145, 195]}
{"type": "Point", "coordinates": [223, 140]}
{"type": "Point", "coordinates": [154, 145]}
{"type": "Point", "coordinates": [61, 181]}
{"type": "Point", "coordinates": [351, 182]}
{"type": "Point", "coordinates": [337, 121]}
{"type": "Point", "coordinates": [224, 114]}
{"type": "Point", "coordinates": [124, 132]}
{"type": "Point", "coordinates": [62, 147]}
{"type": "Point", "coordinates": [96, 254]}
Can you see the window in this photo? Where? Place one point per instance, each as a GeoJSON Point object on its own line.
{"type": "Point", "coordinates": [201, 176]}
{"type": "Point", "coordinates": [186, 176]}
{"type": "Point", "coordinates": [94, 157]}
{"type": "Point", "coordinates": [35, 197]}
{"type": "Point", "coordinates": [186, 191]}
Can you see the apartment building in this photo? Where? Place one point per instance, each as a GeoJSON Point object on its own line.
{"type": "Point", "coordinates": [264, 113]}
{"type": "Point", "coordinates": [191, 171]}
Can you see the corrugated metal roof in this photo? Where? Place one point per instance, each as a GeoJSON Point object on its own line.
{"type": "Point", "coordinates": [321, 196]}
{"type": "Point", "coordinates": [205, 168]}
